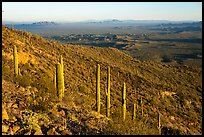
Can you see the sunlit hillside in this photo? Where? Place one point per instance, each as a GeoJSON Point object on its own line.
{"type": "Point", "coordinates": [30, 105]}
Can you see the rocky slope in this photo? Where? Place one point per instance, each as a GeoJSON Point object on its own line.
{"type": "Point", "coordinates": [30, 105]}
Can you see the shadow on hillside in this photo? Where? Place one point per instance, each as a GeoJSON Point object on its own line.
{"type": "Point", "coordinates": [79, 129]}
{"type": "Point", "coordinates": [170, 131]}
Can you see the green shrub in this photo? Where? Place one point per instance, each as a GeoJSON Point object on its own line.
{"type": "Point", "coordinates": [24, 80]}
{"type": "Point", "coordinates": [82, 88]}
{"type": "Point", "coordinates": [45, 98]}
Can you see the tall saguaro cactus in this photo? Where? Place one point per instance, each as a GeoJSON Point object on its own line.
{"type": "Point", "coordinates": [159, 124]}
{"type": "Point", "coordinates": [98, 89]}
{"type": "Point", "coordinates": [15, 58]}
{"type": "Point", "coordinates": [62, 65]}
{"type": "Point", "coordinates": [60, 80]}
{"type": "Point", "coordinates": [108, 93]}
{"type": "Point", "coordinates": [124, 101]}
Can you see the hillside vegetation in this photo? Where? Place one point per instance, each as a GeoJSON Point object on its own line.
{"type": "Point", "coordinates": [30, 105]}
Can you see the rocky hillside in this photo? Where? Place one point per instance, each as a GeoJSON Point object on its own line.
{"type": "Point", "coordinates": [30, 105]}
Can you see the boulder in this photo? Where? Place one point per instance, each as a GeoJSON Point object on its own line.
{"type": "Point", "coordinates": [4, 114]}
{"type": "Point", "coordinates": [52, 132]}
{"type": "Point", "coordinates": [5, 128]}
{"type": "Point", "coordinates": [15, 106]}
{"type": "Point", "coordinates": [13, 119]}
{"type": "Point", "coordinates": [15, 129]}
{"type": "Point", "coordinates": [38, 132]}
{"type": "Point", "coordinates": [66, 132]}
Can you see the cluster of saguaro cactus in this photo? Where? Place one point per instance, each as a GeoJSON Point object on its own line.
{"type": "Point", "coordinates": [108, 93]}
{"type": "Point", "coordinates": [15, 58]}
{"type": "Point", "coordinates": [98, 88]}
{"type": "Point", "coordinates": [135, 105]}
{"type": "Point", "coordinates": [124, 101]}
{"type": "Point", "coordinates": [98, 91]}
{"type": "Point", "coordinates": [60, 79]}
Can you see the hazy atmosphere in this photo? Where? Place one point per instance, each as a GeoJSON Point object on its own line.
{"type": "Point", "coordinates": [79, 11]}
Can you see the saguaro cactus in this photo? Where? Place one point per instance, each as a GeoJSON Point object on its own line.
{"type": "Point", "coordinates": [108, 93]}
{"type": "Point", "coordinates": [15, 58]}
{"type": "Point", "coordinates": [59, 79]}
{"type": "Point", "coordinates": [98, 89]}
{"type": "Point", "coordinates": [124, 101]}
{"type": "Point", "coordinates": [134, 111]}
{"type": "Point", "coordinates": [62, 64]}
{"type": "Point", "coordinates": [159, 124]}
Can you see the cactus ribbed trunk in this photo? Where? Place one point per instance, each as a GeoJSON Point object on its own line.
{"type": "Point", "coordinates": [98, 89]}
{"type": "Point", "coordinates": [108, 93]}
{"type": "Point", "coordinates": [15, 58]}
{"type": "Point", "coordinates": [59, 79]}
{"type": "Point", "coordinates": [159, 124]}
{"type": "Point", "coordinates": [124, 101]}
{"type": "Point", "coordinates": [62, 65]}
{"type": "Point", "coordinates": [134, 112]}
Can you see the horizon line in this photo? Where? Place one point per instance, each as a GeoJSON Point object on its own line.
{"type": "Point", "coordinates": [91, 20]}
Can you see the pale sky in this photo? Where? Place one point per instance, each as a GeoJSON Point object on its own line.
{"type": "Point", "coordinates": [79, 11]}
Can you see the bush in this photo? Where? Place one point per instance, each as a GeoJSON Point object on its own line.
{"type": "Point", "coordinates": [45, 97]}
{"type": "Point", "coordinates": [24, 80]}
{"type": "Point", "coordinates": [82, 88]}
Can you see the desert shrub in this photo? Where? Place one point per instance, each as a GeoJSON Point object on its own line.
{"type": "Point", "coordinates": [154, 100]}
{"type": "Point", "coordinates": [130, 127]}
{"type": "Point", "coordinates": [42, 102]}
{"type": "Point", "coordinates": [24, 80]}
{"type": "Point", "coordinates": [170, 131]}
{"type": "Point", "coordinates": [45, 98]}
{"type": "Point", "coordinates": [82, 88]}
{"type": "Point", "coordinates": [192, 115]}
{"type": "Point", "coordinates": [7, 73]}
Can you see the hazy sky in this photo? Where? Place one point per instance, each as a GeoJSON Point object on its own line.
{"type": "Point", "coordinates": [78, 11]}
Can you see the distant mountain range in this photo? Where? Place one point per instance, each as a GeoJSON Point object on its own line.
{"type": "Point", "coordinates": [195, 24]}
{"type": "Point", "coordinates": [115, 21]}
{"type": "Point", "coordinates": [114, 24]}
{"type": "Point", "coordinates": [42, 23]}
{"type": "Point", "coordinates": [110, 21]}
